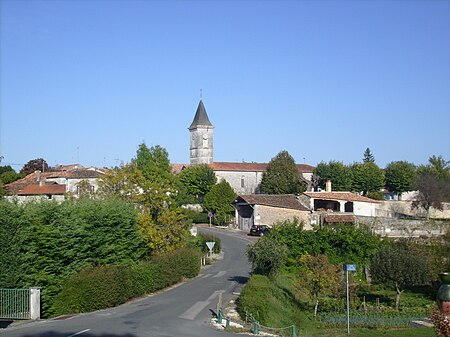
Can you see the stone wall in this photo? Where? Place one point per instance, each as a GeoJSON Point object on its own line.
{"type": "Point", "coordinates": [403, 228]}
{"type": "Point", "coordinates": [394, 208]}
{"type": "Point", "coordinates": [267, 215]}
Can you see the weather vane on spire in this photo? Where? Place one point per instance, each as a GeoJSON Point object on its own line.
{"type": "Point", "coordinates": [201, 94]}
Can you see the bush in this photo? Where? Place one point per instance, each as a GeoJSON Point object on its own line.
{"type": "Point", "coordinates": [202, 239]}
{"type": "Point", "coordinates": [101, 287]}
{"type": "Point", "coordinates": [94, 288]}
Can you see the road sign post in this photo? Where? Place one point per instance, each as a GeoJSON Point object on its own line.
{"type": "Point", "coordinates": [210, 216]}
{"type": "Point", "coordinates": [210, 245]}
{"type": "Point", "coordinates": [347, 268]}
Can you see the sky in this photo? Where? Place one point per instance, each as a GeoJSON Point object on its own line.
{"type": "Point", "coordinates": [88, 81]}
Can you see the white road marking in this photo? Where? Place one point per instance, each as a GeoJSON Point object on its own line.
{"type": "Point", "coordinates": [206, 275]}
{"type": "Point", "coordinates": [215, 294]}
{"type": "Point", "coordinates": [220, 274]}
{"type": "Point", "coordinates": [79, 333]}
{"type": "Point", "coordinates": [193, 311]}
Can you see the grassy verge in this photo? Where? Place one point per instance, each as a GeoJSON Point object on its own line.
{"type": "Point", "coordinates": [281, 301]}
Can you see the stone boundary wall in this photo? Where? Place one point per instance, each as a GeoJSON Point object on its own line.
{"type": "Point", "coordinates": [403, 228]}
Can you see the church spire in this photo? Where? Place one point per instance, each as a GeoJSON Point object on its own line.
{"type": "Point", "coordinates": [201, 117]}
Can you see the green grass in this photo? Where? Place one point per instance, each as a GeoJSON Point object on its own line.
{"type": "Point", "coordinates": [281, 302]}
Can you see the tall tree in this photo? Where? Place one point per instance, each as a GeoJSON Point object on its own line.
{"type": "Point", "coordinates": [400, 176]}
{"type": "Point", "coordinates": [399, 266]}
{"type": "Point", "coordinates": [34, 165]}
{"type": "Point", "coordinates": [282, 176]}
{"type": "Point", "coordinates": [154, 163]}
{"type": "Point", "coordinates": [368, 156]}
{"type": "Point", "coordinates": [197, 180]}
{"type": "Point", "coordinates": [367, 177]}
{"type": "Point", "coordinates": [339, 174]}
{"type": "Point", "coordinates": [433, 184]}
{"type": "Point", "coordinates": [218, 201]}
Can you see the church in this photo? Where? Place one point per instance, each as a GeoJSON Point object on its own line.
{"type": "Point", "coordinates": [244, 178]}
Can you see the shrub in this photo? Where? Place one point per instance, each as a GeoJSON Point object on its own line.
{"type": "Point", "coordinates": [94, 288]}
{"type": "Point", "coordinates": [202, 239]}
{"type": "Point", "coordinates": [106, 286]}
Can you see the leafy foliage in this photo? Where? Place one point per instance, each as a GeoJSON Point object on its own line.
{"type": "Point", "coordinates": [106, 286]}
{"type": "Point", "coordinates": [367, 177]}
{"type": "Point", "coordinates": [339, 174]}
{"type": "Point", "coordinates": [344, 243]}
{"type": "Point", "coordinates": [281, 176]}
{"type": "Point", "coordinates": [267, 256]}
{"type": "Point", "coordinates": [34, 165]}
{"type": "Point", "coordinates": [433, 184]}
{"type": "Point", "coordinates": [400, 176]}
{"type": "Point", "coordinates": [198, 181]}
{"type": "Point", "coordinates": [43, 243]}
{"type": "Point", "coordinates": [319, 276]}
{"type": "Point", "coordinates": [154, 163]}
{"type": "Point", "coordinates": [8, 175]}
{"type": "Point", "coordinates": [218, 201]}
{"type": "Point", "coordinates": [399, 265]}
{"type": "Point", "coordinates": [368, 156]}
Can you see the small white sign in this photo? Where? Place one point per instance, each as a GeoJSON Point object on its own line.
{"type": "Point", "coordinates": [210, 245]}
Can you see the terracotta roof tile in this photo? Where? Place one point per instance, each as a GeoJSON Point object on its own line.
{"type": "Point", "coordinates": [289, 201]}
{"type": "Point", "coordinates": [347, 196]}
{"type": "Point", "coordinates": [340, 218]}
{"type": "Point", "coordinates": [45, 189]}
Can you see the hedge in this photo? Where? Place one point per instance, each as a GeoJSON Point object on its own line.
{"type": "Point", "coordinates": [100, 287]}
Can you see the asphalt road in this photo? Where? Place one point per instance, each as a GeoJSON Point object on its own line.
{"type": "Point", "coordinates": [182, 311]}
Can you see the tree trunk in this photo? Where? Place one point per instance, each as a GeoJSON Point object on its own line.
{"type": "Point", "coordinates": [397, 298]}
{"type": "Point", "coordinates": [315, 307]}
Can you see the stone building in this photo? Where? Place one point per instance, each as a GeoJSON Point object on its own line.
{"type": "Point", "coordinates": [244, 178]}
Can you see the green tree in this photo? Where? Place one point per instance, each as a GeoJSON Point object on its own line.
{"type": "Point", "coordinates": [34, 165]}
{"type": "Point", "coordinates": [166, 233]}
{"type": "Point", "coordinates": [319, 276]}
{"type": "Point", "coordinates": [367, 177]}
{"type": "Point", "coordinates": [10, 176]}
{"type": "Point", "coordinates": [281, 176]}
{"type": "Point", "coordinates": [267, 256]}
{"type": "Point", "coordinates": [154, 163]}
{"type": "Point", "coordinates": [368, 156]}
{"type": "Point", "coordinates": [197, 180]}
{"type": "Point", "coordinates": [433, 184]}
{"type": "Point", "coordinates": [219, 201]}
{"type": "Point", "coordinates": [400, 176]}
{"type": "Point", "coordinates": [339, 174]}
{"type": "Point", "coordinates": [399, 265]}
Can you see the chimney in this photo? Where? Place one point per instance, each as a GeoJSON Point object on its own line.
{"type": "Point", "coordinates": [328, 185]}
{"type": "Point", "coordinates": [42, 182]}
{"type": "Point", "coordinates": [38, 175]}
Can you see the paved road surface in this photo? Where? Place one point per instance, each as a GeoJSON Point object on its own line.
{"type": "Point", "coordinates": [183, 311]}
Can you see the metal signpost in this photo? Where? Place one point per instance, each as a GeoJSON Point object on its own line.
{"type": "Point", "coordinates": [210, 216]}
{"type": "Point", "coordinates": [347, 268]}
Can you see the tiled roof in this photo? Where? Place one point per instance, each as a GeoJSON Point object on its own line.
{"type": "Point", "coordinates": [340, 218]}
{"type": "Point", "coordinates": [201, 117]}
{"type": "Point", "coordinates": [32, 178]}
{"type": "Point", "coordinates": [177, 168]}
{"type": "Point", "coordinates": [347, 196]}
{"type": "Point", "coordinates": [289, 201]}
{"type": "Point", "coordinates": [45, 189]}
{"type": "Point", "coordinates": [16, 186]}
{"type": "Point", "coordinates": [260, 167]}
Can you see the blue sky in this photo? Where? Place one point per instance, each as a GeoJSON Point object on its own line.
{"type": "Point", "coordinates": [88, 81]}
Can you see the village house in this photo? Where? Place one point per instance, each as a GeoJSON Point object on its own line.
{"type": "Point", "coordinates": [54, 184]}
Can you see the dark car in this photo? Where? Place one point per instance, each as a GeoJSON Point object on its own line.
{"type": "Point", "coordinates": [259, 230]}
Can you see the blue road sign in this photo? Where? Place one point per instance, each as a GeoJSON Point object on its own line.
{"type": "Point", "coordinates": [350, 267]}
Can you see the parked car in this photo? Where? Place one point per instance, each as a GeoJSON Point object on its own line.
{"type": "Point", "coordinates": [259, 230]}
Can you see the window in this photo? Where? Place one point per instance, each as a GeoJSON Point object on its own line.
{"type": "Point", "coordinates": [242, 181]}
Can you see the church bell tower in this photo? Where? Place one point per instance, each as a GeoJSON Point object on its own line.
{"type": "Point", "coordinates": [201, 137]}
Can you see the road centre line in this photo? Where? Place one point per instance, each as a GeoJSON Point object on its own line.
{"type": "Point", "coordinates": [220, 274]}
{"type": "Point", "coordinates": [193, 311]}
{"type": "Point", "coordinates": [79, 333]}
